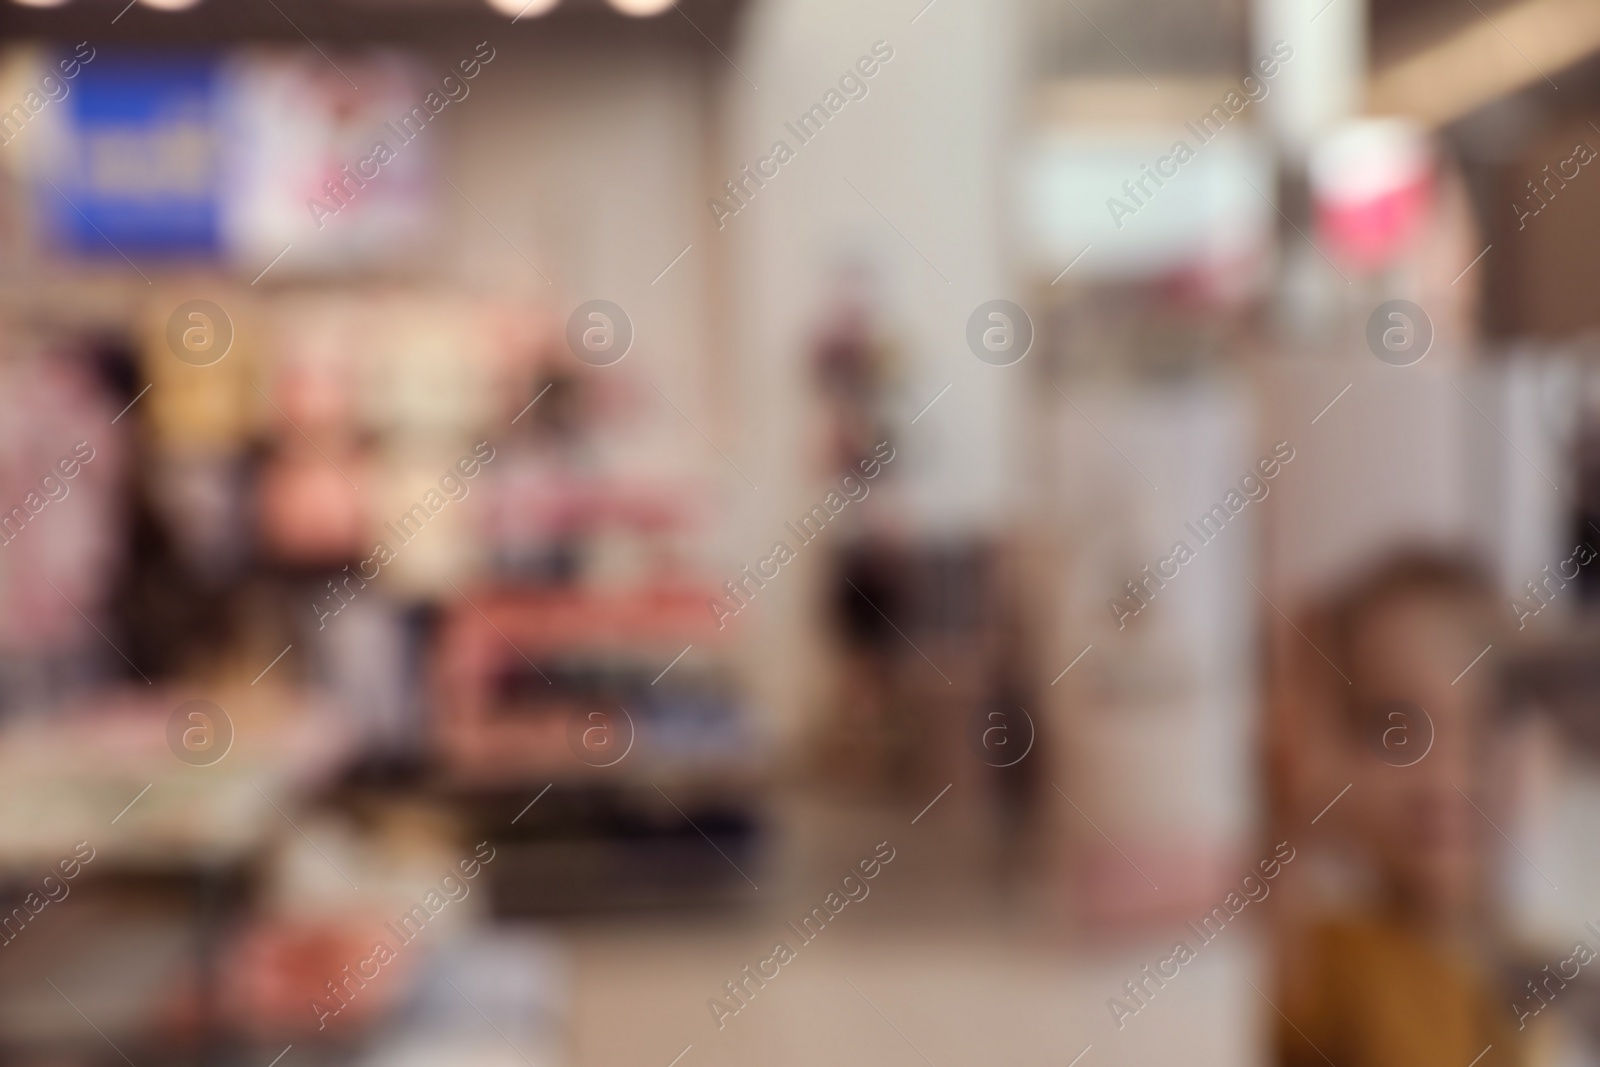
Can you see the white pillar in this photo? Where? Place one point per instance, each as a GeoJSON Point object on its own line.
{"type": "Point", "coordinates": [1326, 80]}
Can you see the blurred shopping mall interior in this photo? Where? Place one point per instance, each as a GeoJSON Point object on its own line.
{"type": "Point", "coordinates": [575, 533]}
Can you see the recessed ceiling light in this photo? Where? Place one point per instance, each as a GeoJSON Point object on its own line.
{"type": "Point", "coordinates": [523, 8]}
{"type": "Point", "coordinates": [170, 5]}
{"type": "Point", "coordinates": [40, 3]}
{"type": "Point", "coordinates": [640, 9]}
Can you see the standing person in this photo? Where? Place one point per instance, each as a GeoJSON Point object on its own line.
{"type": "Point", "coordinates": [1399, 973]}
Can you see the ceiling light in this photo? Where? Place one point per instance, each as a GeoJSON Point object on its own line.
{"type": "Point", "coordinates": [523, 8]}
{"type": "Point", "coordinates": [170, 5]}
{"type": "Point", "coordinates": [640, 9]}
{"type": "Point", "coordinates": [40, 3]}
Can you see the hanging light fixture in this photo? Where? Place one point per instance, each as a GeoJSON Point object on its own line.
{"type": "Point", "coordinates": [518, 9]}
{"type": "Point", "coordinates": [641, 9]}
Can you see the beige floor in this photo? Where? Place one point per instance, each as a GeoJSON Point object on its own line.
{"type": "Point", "coordinates": [936, 966]}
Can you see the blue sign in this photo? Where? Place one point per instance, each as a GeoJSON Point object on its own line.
{"type": "Point", "coordinates": [142, 162]}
